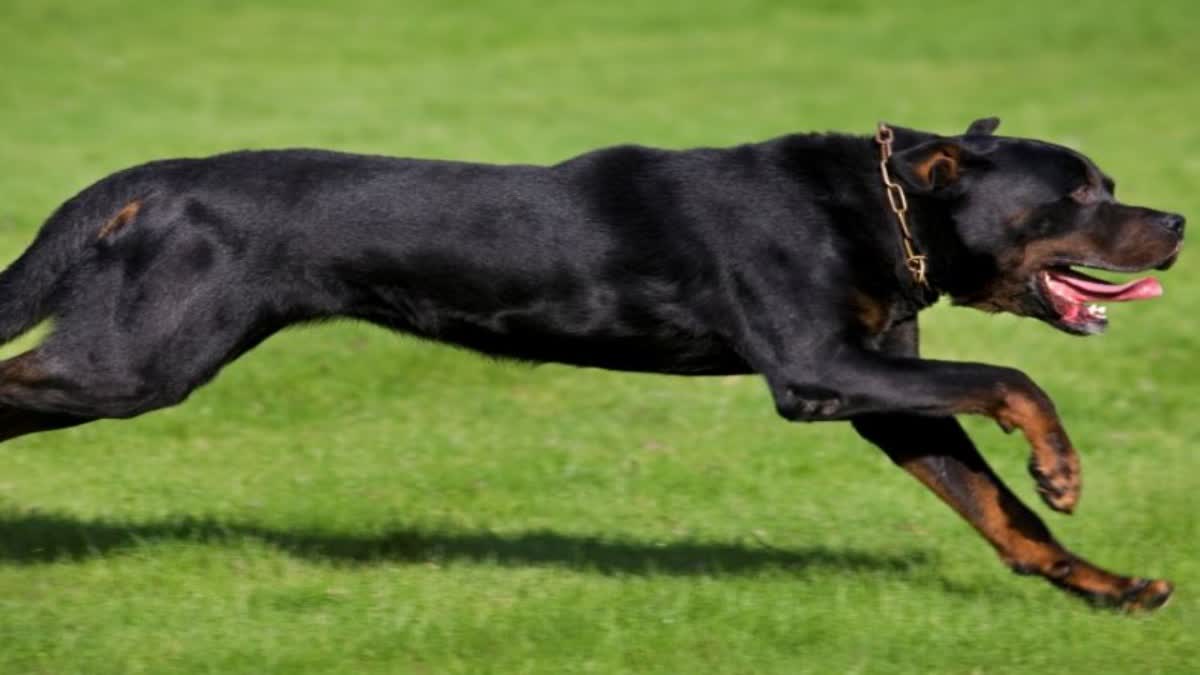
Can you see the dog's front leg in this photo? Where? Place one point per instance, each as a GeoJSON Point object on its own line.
{"type": "Point", "coordinates": [939, 453]}
{"type": "Point", "coordinates": [854, 381]}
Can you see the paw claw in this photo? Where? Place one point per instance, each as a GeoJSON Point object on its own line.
{"type": "Point", "coordinates": [1147, 595]}
{"type": "Point", "coordinates": [1059, 488]}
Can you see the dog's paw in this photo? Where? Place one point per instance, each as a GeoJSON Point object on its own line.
{"type": "Point", "coordinates": [1125, 594]}
{"type": "Point", "coordinates": [1055, 471]}
{"type": "Point", "coordinates": [1146, 595]}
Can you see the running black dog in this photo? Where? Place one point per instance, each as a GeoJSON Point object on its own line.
{"type": "Point", "coordinates": [790, 258]}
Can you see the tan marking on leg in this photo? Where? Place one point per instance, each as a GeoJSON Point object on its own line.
{"type": "Point", "coordinates": [1018, 536]}
{"type": "Point", "coordinates": [1022, 540]}
{"type": "Point", "coordinates": [22, 369]}
{"type": "Point", "coordinates": [1054, 462]}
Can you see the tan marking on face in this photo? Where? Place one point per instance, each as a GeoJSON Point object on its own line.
{"type": "Point", "coordinates": [1008, 292]}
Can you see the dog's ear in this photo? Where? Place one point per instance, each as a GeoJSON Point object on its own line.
{"type": "Point", "coordinates": [983, 127]}
{"type": "Point", "coordinates": [935, 166]}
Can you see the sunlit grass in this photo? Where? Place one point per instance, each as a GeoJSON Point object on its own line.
{"type": "Point", "coordinates": [344, 500]}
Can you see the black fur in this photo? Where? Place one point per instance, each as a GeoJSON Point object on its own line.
{"type": "Point", "coordinates": [778, 258]}
{"type": "Point", "coordinates": [757, 258]}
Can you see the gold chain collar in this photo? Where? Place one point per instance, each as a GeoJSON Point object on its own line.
{"type": "Point", "coordinates": [915, 262]}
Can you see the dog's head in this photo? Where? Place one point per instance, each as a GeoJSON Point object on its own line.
{"type": "Point", "coordinates": [1015, 217]}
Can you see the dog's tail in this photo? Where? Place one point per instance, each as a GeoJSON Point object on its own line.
{"type": "Point", "coordinates": [28, 285]}
{"type": "Point", "coordinates": [31, 286]}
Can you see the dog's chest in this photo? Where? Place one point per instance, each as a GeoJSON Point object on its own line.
{"type": "Point", "coordinates": [874, 316]}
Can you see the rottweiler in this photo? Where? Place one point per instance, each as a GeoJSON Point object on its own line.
{"type": "Point", "coordinates": [805, 259]}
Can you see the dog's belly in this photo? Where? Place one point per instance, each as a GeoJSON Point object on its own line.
{"type": "Point", "coordinates": [652, 349]}
{"type": "Point", "coordinates": [691, 355]}
{"type": "Point", "coordinates": [538, 308]}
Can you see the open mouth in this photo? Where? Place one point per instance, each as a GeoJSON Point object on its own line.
{"type": "Point", "coordinates": [1076, 297]}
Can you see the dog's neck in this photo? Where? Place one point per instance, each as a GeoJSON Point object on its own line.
{"type": "Point", "coordinates": [934, 233]}
{"type": "Point", "coordinates": [857, 203]}
{"type": "Point", "coordinates": [915, 261]}
{"type": "Point", "coordinates": [925, 219]}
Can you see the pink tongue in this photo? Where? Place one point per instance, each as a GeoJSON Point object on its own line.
{"type": "Point", "coordinates": [1085, 288]}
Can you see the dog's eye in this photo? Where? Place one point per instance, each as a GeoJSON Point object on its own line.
{"type": "Point", "coordinates": [1084, 194]}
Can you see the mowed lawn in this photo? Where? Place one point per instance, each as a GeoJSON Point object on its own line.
{"type": "Point", "coordinates": [344, 500]}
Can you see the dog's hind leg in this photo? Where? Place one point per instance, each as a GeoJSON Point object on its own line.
{"type": "Point", "coordinates": [939, 453]}
{"type": "Point", "coordinates": [149, 299]}
{"type": "Point", "coordinates": [41, 393]}
{"type": "Point", "coordinates": [119, 355]}
{"type": "Point", "coordinates": [50, 388]}
{"type": "Point", "coordinates": [20, 384]}
{"type": "Point", "coordinates": [16, 422]}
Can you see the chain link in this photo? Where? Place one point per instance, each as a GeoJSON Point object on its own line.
{"type": "Point", "coordinates": [915, 262]}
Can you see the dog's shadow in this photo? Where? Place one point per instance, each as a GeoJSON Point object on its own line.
{"type": "Point", "coordinates": [34, 538]}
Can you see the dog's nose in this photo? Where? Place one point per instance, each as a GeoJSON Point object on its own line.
{"type": "Point", "coordinates": [1173, 222]}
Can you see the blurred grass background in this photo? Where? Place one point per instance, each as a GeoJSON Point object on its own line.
{"type": "Point", "coordinates": [346, 500]}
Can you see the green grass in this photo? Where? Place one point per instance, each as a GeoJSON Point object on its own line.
{"type": "Point", "coordinates": [344, 500]}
